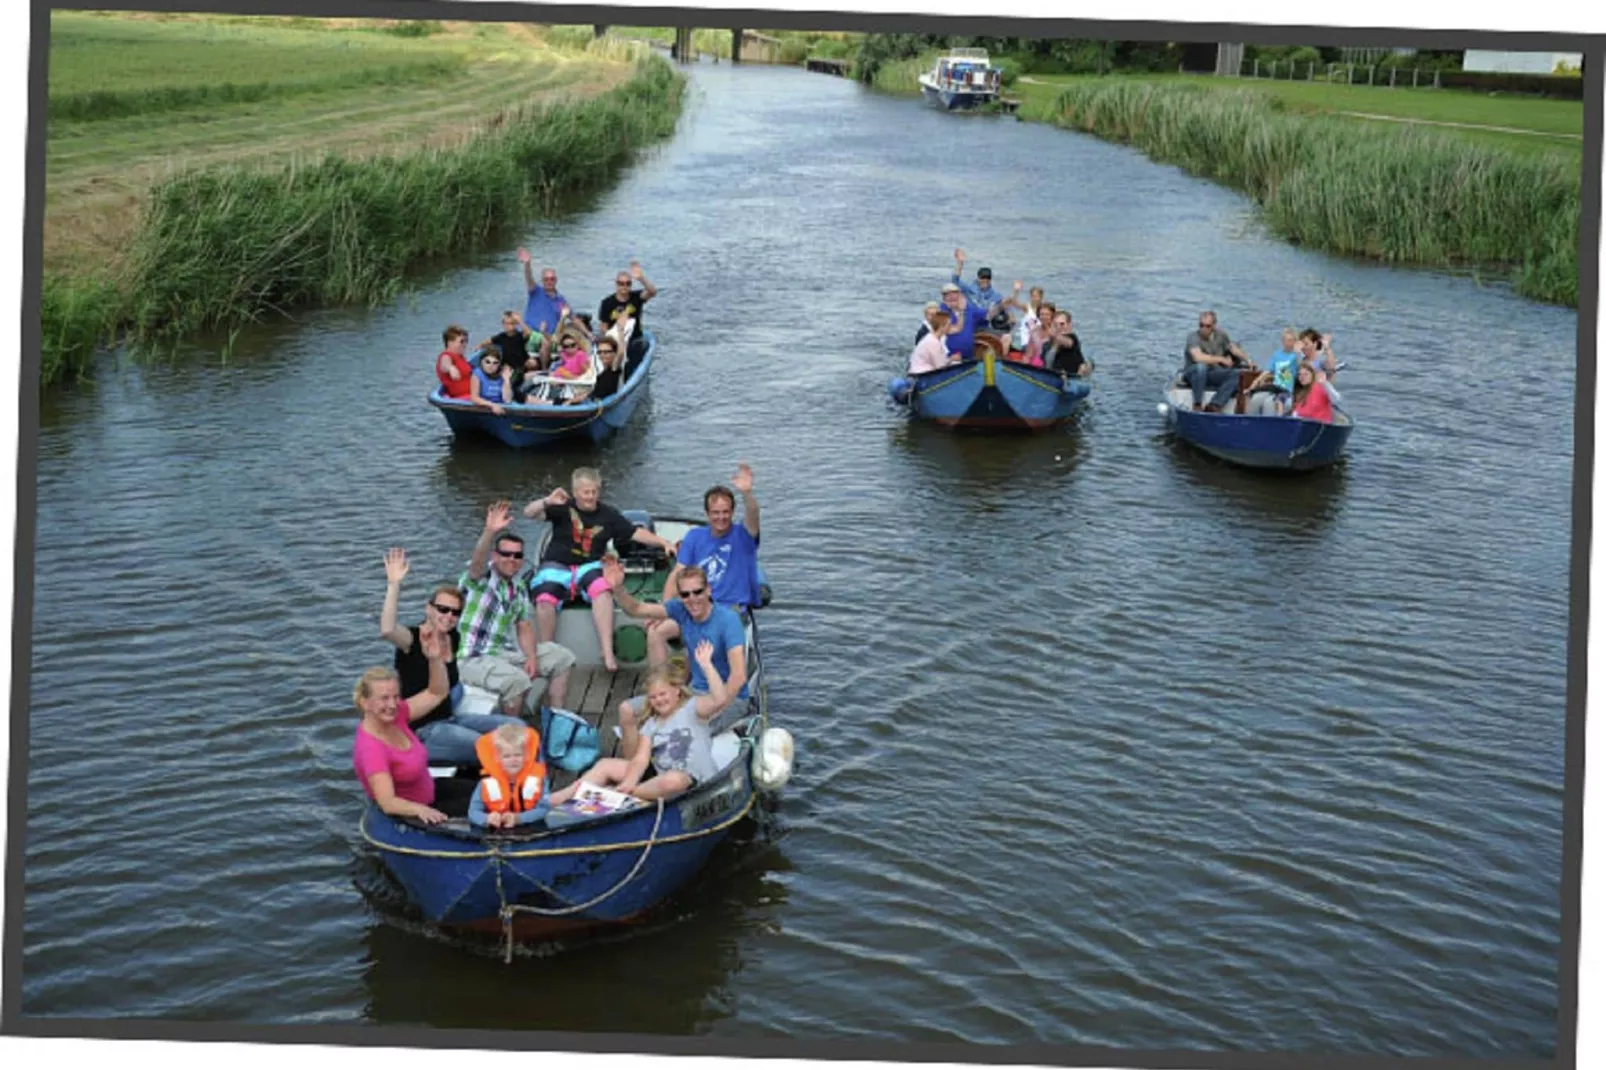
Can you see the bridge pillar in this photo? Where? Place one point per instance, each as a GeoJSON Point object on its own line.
{"type": "Point", "coordinates": [736, 46]}
{"type": "Point", "coordinates": [681, 51]}
{"type": "Point", "coordinates": [598, 30]}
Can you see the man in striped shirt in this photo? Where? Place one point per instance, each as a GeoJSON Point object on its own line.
{"type": "Point", "coordinates": [498, 651]}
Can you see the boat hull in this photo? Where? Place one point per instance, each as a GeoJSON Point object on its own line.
{"type": "Point", "coordinates": [955, 99]}
{"type": "Point", "coordinates": [989, 394]}
{"type": "Point", "coordinates": [1283, 443]}
{"type": "Point", "coordinates": [612, 869]}
{"type": "Point", "coordinates": [538, 426]}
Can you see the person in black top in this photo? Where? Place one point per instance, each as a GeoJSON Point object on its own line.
{"type": "Point", "coordinates": [627, 302]}
{"type": "Point", "coordinates": [448, 735]}
{"type": "Point", "coordinates": [1063, 351]}
{"type": "Point", "coordinates": [607, 384]}
{"type": "Point", "coordinates": [571, 564]}
{"type": "Point", "coordinates": [514, 341]}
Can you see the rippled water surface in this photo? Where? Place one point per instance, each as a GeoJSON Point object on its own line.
{"type": "Point", "coordinates": [1101, 742]}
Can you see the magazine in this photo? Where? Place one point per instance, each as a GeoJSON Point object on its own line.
{"type": "Point", "coordinates": [589, 800]}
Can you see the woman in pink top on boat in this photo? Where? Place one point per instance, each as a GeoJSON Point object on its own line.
{"type": "Point", "coordinates": [1312, 399]}
{"type": "Point", "coordinates": [391, 761]}
{"type": "Point", "coordinates": [931, 352]}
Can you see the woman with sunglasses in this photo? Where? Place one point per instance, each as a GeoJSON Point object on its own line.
{"type": "Point", "coordinates": [447, 735]}
{"type": "Point", "coordinates": [492, 384]}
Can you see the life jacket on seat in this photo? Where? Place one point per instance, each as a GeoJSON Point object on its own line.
{"type": "Point", "coordinates": [527, 785]}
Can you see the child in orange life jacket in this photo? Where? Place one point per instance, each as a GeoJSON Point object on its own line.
{"type": "Point", "coordinates": [512, 789]}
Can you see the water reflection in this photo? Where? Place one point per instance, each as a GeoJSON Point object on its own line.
{"type": "Point", "coordinates": [673, 973]}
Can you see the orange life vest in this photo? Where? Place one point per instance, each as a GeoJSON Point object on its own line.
{"type": "Point", "coordinates": [527, 785]}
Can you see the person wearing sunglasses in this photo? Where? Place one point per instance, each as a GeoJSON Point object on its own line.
{"type": "Point", "coordinates": [582, 527]}
{"type": "Point", "coordinates": [498, 650]}
{"type": "Point", "coordinates": [700, 620]}
{"type": "Point", "coordinates": [626, 302]}
{"type": "Point", "coordinates": [1211, 361]}
{"type": "Point", "coordinates": [727, 553]}
{"type": "Point", "coordinates": [449, 736]}
{"type": "Point", "coordinates": [492, 384]}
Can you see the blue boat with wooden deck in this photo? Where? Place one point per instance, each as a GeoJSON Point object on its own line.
{"type": "Point", "coordinates": [535, 426]}
{"type": "Point", "coordinates": [989, 393]}
{"type": "Point", "coordinates": [566, 870]}
{"type": "Point", "coordinates": [1288, 443]}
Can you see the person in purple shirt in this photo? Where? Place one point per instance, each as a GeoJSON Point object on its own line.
{"type": "Point", "coordinates": [546, 308]}
{"type": "Point", "coordinates": [968, 318]}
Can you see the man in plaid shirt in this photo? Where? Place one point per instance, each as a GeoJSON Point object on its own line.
{"type": "Point", "coordinates": [498, 651]}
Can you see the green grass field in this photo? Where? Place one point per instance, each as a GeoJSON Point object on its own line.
{"type": "Point", "coordinates": [136, 98]}
{"type": "Point", "coordinates": [1554, 126]}
{"type": "Point", "coordinates": [144, 105]}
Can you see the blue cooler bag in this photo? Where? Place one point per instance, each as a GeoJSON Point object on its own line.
{"type": "Point", "coordinates": [570, 740]}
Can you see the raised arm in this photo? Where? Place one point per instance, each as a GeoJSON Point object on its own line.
{"type": "Point", "coordinates": [614, 573]}
{"type": "Point", "coordinates": [436, 647]}
{"type": "Point", "coordinates": [742, 483]}
{"type": "Point", "coordinates": [497, 517]}
{"type": "Point", "coordinates": [648, 290]}
{"type": "Point", "coordinates": [674, 578]}
{"type": "Point", "coordinates": [537, 508]}
{"type": "Point", "coordinates": [718, 696]}
{"type": "Point", "coordinates": [395, 572]}
{"type": "Point", "coordinates": [529, 274]}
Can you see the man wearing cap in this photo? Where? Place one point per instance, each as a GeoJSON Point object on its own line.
{"type": "Point", "coordinates": [982, 293]}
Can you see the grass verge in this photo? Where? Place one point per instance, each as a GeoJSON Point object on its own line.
{"type": "Point", "coordinates": [1408, 195]}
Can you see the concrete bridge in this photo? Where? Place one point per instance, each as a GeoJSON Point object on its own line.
{"type": "Point", "coordinates": [683, 51]}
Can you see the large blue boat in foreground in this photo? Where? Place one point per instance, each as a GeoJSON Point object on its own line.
{"type": "Point", "coordinates": [596, 869]}
{"type": "Point", "coordinates": [534, 426]}
{"type": "Point", "coordinates": [1275, 442]}
{"type": "Point", "coordinates": [990, 393]}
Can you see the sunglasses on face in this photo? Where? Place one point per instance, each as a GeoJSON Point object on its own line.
{"type": "Point", "coordinates": [517, 555]}
{"type": "Point", "coordinates": [696, 593]}
{"type": "Point", "coordinates": [446, 611]}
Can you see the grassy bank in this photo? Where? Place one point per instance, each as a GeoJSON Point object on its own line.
{"type": "Point", "coordinates": [1410, 195]}
{"type": "Point", "coordinates": [1529, 125]}
{"type": "Point", "coordinates": [301, 161]}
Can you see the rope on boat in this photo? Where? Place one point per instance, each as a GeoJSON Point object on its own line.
{"type": "Point", "coordinates": [509, 909]}
{"type": "Point", "coordinates": [1317, 437]}
{"type": "Point", "coordinates": [550, 852]}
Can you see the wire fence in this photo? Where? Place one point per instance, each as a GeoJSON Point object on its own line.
{"type": "Point", "coordinates": [1344, 73]}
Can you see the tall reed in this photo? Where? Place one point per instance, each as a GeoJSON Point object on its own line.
{"type": "Point", "coordinates": [219, 248]}
{"type": "Point", "coordinates": [1404, 195]}
{"type": "Point", "coordinates": [903, 75]}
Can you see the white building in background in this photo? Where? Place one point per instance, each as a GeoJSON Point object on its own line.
{"type": "Point", "coordinates": [1478, 59]}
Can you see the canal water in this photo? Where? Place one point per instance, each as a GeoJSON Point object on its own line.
{"type": "Point", "coordinates": [1101, 742]}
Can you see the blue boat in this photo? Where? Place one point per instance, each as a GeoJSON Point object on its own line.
{"type": "Point", "coordinates": [535, 426]}
{"type": "Point", "coordinates": [990, 393]}
{"type": "Point", "coordinates": [961, 81]}
{"type": "Point", "coordinates": [1266, 442]}
{"type": "Point", "coordinates": [587, 870]}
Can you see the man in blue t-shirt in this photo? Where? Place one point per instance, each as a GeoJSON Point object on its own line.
{"type": "Point", "coordinates": [726, 552]}
{"type": "Point", "coordinates": [968, 317]}
{"type": "Point", "coordinates": [545, 308]}
{"type": "Point", "coordinates": [698, 618]}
